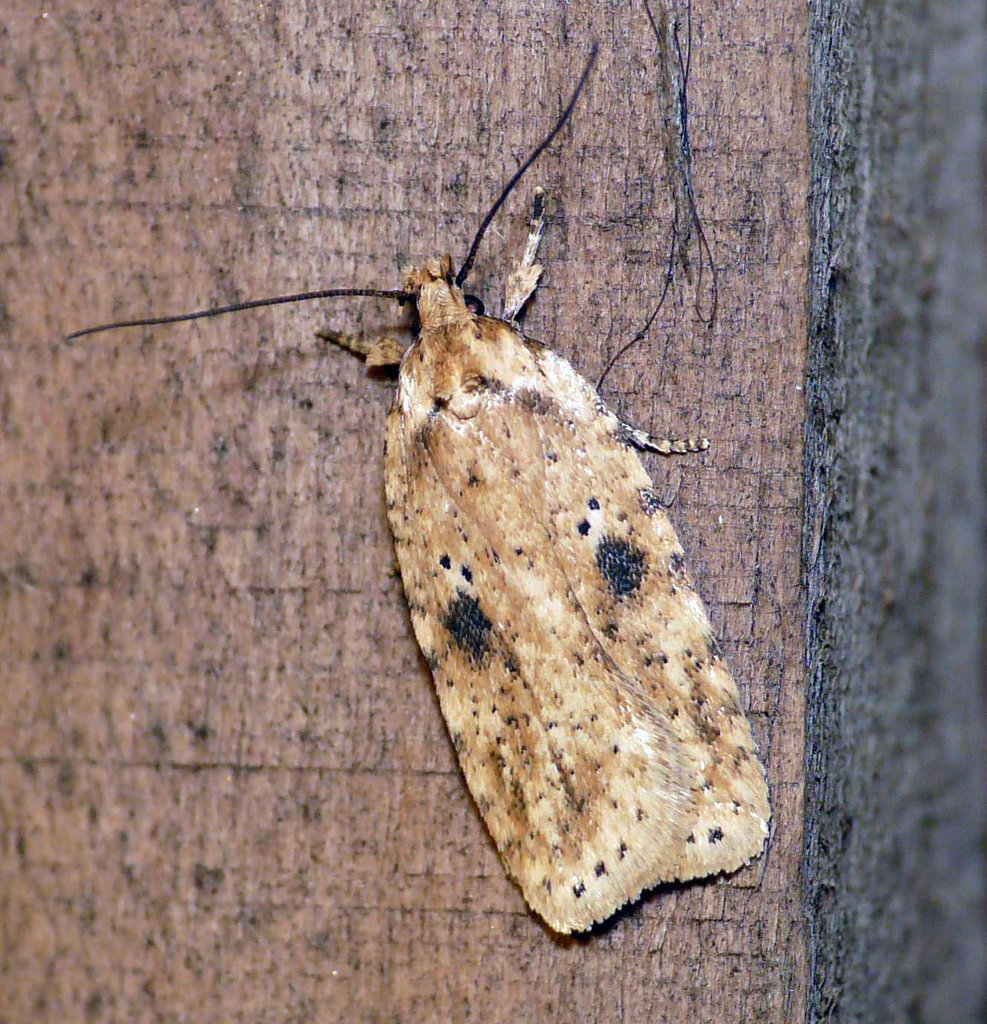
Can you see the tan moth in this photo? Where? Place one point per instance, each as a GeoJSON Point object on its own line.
{"type": "Point", "coordinates": [600, 733]}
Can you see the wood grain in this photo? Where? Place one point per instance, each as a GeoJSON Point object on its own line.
{"type": "Point", "coordinates": [227, 789]}
{"type": "Point", "coordinates": [895, 518]}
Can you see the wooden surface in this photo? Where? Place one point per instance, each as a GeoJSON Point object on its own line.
{"type": "Point", "coordinates": [895, 517]}
{"type": "Point", "coordinates": [226, 791]}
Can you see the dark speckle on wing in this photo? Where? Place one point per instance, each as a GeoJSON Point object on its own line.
{"type": "Point", "coordinates": [621, 563]}
{"type": "Point", "coordinates": [468, 626]}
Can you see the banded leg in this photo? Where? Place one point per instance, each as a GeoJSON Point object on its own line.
{"type": "Point", "coordinates": [663, 445]}
{"type": "Point", "coordinates": [379, 351]}
{"type": "Point", "coordinates": [523, 280]}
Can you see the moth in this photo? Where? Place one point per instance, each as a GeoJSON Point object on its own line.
{"type": "Point", "coordinates": [599, 731]}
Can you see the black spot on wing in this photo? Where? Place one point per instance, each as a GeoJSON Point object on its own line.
{"type": "Point", "coordinates": [621, 564]}
{"type": "Point", "coordinates": [468, 626]}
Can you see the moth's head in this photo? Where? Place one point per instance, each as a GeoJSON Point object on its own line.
{"type": "Point", "coordinates": [439, 299]}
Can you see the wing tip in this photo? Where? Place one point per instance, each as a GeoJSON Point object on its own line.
{"type": "Point", "coordinates": [597, 911]}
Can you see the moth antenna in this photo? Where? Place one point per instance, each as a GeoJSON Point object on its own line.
{"type": "Point", "coordinates": [236, 307]}
{"type": "Point", "coordinates": [509, 187]}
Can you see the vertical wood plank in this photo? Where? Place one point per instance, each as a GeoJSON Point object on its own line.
{"type": "Point", "coordinates": [895, 516]}
{"type": "Point", "coordinates": [228, 792]}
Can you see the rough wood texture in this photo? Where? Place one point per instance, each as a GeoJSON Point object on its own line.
{"type": "Point", "coordinates": [895, 514]}
{"type": "Point", "coordinates": [226, 790]}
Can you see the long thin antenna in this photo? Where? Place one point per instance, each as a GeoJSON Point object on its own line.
{"type": "Point", "coordinates": [331, 293]}
{"type": "Point", "coordinates": [468, 262]}
{"type": "Point", "coordinates": [236, 307]}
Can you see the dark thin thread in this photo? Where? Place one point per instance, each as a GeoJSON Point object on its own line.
{"type": "Point", "coordinates": [546, 142]}
{"type": "Point", "coordinates": [688, 46]}
{"type": "Point", "coordinates": [685, 69]}
{"type": "Point", "coordinates": [669, 277]}
{"type": "Point", "coordinates": [236, 307]}
{"type": "Point", "coordinates": [705, 253]}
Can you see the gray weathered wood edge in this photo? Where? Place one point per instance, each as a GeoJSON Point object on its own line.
{"type": "Point", "coordinates": [894, 534]}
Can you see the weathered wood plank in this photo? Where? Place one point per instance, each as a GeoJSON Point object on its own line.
{"type": "Point", "coordinates": [895, 514]}
{"type": "Point", "coordinates": [228, 790]}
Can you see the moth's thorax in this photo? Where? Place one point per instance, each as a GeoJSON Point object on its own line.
{"type": "Point", "coordinates": [440, 302]}
{"type": "Point", "coordinates": [458, 357]}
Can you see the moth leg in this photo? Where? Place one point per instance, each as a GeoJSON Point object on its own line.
{"type": "Point", "coordinates": [381, 351]}
{"type": "Point", "coordinates": [663, 445]}
{"type": "Point", "coordinates": [523, 279]}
